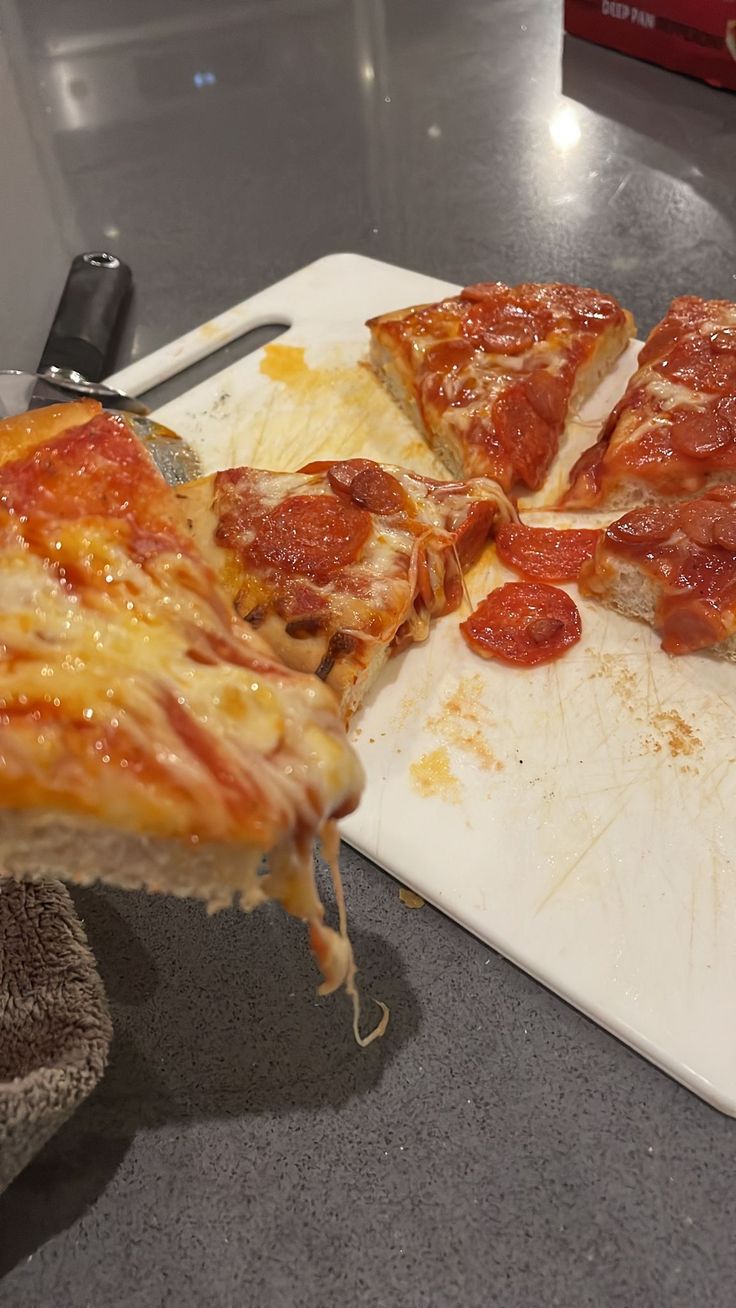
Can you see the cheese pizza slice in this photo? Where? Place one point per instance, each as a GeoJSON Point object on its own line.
{"type": "Point", "coordinates": [344, 562]}
{"type": "Point", "coordinates": [491, 376]}
{"type": "Point", "coordinates": [674, 431]}
{"type": "Point", "coordinates": [148, 737]}
{"type": "Point", "coordinates": [674, 567]}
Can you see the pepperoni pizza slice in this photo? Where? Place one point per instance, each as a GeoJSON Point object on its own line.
{"type": "Point", "coordinates": [148, 737]}
{"type": "Point", "coordinates": [491, 376]}
{"type": "Point", "coordinates": [673, 433]}
{"type": "Point", "coordinates": [674, 567]}
{"type": "Point", "coordinates": [344, 562]}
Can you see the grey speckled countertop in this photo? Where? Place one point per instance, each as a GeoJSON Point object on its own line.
{"type": "Point", "coordinates": [496, 1147]}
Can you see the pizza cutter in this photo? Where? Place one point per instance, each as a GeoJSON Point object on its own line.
{"type": "Point", "coordinates": [78, 354]}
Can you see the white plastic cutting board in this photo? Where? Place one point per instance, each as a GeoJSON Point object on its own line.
{"type": "Point", "coordinates": [578, 817]}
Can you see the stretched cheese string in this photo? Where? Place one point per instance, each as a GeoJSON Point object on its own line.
{"type": "Point", "coordinates": [466, 592]}
{"type": "Point", "coordinates": [574, 416]}
{"type": "Point", "coordinates": [330, 838]}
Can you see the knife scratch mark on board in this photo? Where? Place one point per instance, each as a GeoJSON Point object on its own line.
{"type": "Point", "coordinates": [261, 440]}
{"type": "Point", "coordinates": [641, 698]}
{"type": "Point", "coordinates": [561, 881]}
{"type": "Point", "coordinates": [331, 409]}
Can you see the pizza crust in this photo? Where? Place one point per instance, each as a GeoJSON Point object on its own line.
{"type": "Point", "coordinates": [634, 493]}
{"type": "Point", "coordinates": [442, 441]}
{"type": "Point", "coordinates": [609, 347]}
{"type": "Point", "coordinates": [621, 585]}
{"type": "Point", "coordinates": [40, 843]}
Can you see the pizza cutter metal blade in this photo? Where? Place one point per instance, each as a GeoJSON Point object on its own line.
{"type": "Point", "coordinates": [78, 353]}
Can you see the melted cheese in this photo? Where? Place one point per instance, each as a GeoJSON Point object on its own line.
{"type": "Point", "coordinates": [389, 560]}
{"type": "Point", "coordinates": [671, 394]}
{"type": "Point", "coordinates": [127, 695]}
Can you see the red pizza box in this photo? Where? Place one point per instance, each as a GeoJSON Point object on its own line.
{"type": "Point", "coordinates": [697, 37]}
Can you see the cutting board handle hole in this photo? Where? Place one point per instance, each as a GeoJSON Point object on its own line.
{"type": "Point", "coordinates": [253, 339]}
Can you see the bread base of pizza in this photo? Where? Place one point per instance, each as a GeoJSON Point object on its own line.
{"type": "Point", "coordinates": [344, 563]}
{"type": "Point", "coordinates": [673, 566]}
{"type": "Point", "coordinates": [40, 843]}
{"type": "Point", "coordinates": [491, 377]}
{"type": "Point", "coordinates": [673, 433]}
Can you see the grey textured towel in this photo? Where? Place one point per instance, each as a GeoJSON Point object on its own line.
{"type": "Point", "coordinates": [54, 1023]}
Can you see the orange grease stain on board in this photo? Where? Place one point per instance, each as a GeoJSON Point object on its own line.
{"type": "Point", "coordinates": [211, 332]}
{"type": "Point", "coordinates": [432, 776]}
{"type": "Point", "coordinates": [285, 363]}
{"type": "Point", "coordinates": [334, 410]}
{"type": "Point", "coordinates": [464, 722]}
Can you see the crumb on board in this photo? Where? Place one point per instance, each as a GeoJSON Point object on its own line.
{"type": "Point", "coordinates": [673, 732]}
{"type": "Point", "coordinates": [431, 775]}
{"type": "Point", "coordinates": [679, 734]}
{"type": "Point", "coordinates": [464, 722]}
{"type": "Point", "coordinates": [409, 898]}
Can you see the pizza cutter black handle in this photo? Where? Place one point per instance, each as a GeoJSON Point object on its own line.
{"type": "Point", "coordinates": [84, 331]}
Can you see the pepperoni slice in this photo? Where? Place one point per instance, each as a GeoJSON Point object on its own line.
{"type": "Point", "coordinates": [367, 483]}
{"type": "Point", "coordinates": [544, 552]}
{"type": "Point", "coordinates": [448, 356]}
{"type": "Point", "coordinates": [322, 465]}
{"type": "Point", "coordinates": [724, 494]}
{"type": "Point", "coordinates": [508, 338]}
{"type": "Point", "coordinates": [480, 292]}
{"type": "Point", "coordinates": [660, 342]}
{"type": "Point", "coordinates": [708, 523]}
{"type": "Point", "coordinates": [648, 526]}
{"type": "Point", "coordinates": [723, 339]}
{"type": "Point", "coordinates": [547, 394]}
{"type": "Point", "coordinates": [524, 436]}
{"type": "Point", "coordinates": [341, 473]}
{"type": "Point", "coordinates": [700, 434]}
{"type": "Point", "coordinates": [693, 361]}
{"type": "Point", "coordinates": [726, 410]}
{"type": "Point", "coordinates": [473, 532]}
{"type": "Point", "coordinates": [314, 535]}
{"type": "Point", "coordinates": [689, 623]}
{"type": "Point", "coordinates": [375, 489]}
{"type": "Point", "coordinates": [523, 623]}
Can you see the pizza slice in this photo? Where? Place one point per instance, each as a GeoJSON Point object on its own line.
{"type": "Point", "coordinates": [673, 433]}
{"type": "Point", "coordinates": [343, 563]}
{"type": "Point", "coordinates": [491, 376]}
{"type": "Point", "coordinates": [674, 567]}
{"type": "Point", "coordinates": [148, 737]}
